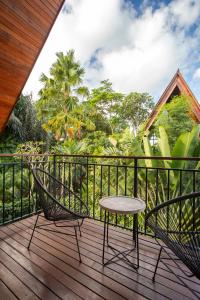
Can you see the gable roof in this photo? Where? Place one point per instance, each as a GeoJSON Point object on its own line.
{"type": "Point", "coordinates": [24, 28]}
{"type": "Point", "coordinates": [177, 86]}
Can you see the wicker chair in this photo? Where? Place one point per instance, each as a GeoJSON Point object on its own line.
{"type": "Point", "coordinates": [59, 205]}
{"type": "Point", "coordinates": [177, 224]}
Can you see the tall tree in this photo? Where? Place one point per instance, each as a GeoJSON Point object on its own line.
{"type": "Point", "coordinates": [106, 102]}
{"type": "Point", "coordinates": [60, 95]}
{"type": "Point", "coordinates": [136, 107]}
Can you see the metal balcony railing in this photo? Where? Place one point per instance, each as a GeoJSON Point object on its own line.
{"type": "Point", "coordinates": [153, 179]}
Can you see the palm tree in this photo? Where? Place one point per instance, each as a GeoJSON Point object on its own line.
{"type": "Point", "coordinates": [60, 95]}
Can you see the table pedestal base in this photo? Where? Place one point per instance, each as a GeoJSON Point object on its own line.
{"type": "Point", "coordinates": [120, 255]}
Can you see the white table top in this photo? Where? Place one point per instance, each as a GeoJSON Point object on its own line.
{"type": "Point", "coordinates": [122, 204]}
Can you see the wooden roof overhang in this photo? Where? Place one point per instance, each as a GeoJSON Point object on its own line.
{"type": "Point", "coordinates": [177, 86]}
{"type": "Point", "coordinates": [24, 28]}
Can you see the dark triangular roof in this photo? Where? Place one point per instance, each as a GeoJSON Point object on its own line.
{"type": "Point", "coordinates": [177, 86]}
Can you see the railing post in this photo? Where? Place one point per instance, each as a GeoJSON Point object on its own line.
{"type": "Point", "coordinates": [54, 174]}
{"type": "Point", "coordinates": [87, 179]}
{"type": "Point", "coordinates": [135, 192]}
{"type": "Point", "coordinates": [21, 186]}
{"type": "Point", "coordinates": [3, 198]}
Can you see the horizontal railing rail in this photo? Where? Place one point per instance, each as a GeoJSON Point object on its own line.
{"type": "Point", "coordinates": [153, 179]}
{"type": "Point", "coordinates": [100, 156]}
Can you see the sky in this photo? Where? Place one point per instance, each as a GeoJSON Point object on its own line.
{"type": "Point", "coordinates": [137, 45]}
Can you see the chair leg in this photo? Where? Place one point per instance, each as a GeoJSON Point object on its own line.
{"type": "Point", "coordinates": [77, 244]}
{"type": "Point", "coordinates": [153, 278]}
{"type": "Point", "coordinates": [33, 231]}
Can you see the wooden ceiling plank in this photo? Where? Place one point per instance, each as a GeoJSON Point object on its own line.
{"type": "Point", "coordinates": [7, 89]}
{"type": "Point", "coordinates": [42, 7]}
{"type": "Point", "coordinates": [54, 3]}
{"type": "Point", "coordinates": [49, 6]}
{"type": "Point", "coordinates": [20, 26]}
{"type": "Point", "coordinates": [41, 17]}
{"type": "Point", "coordinates": [20, 11]}
{"type": "Point", "coordinates": [11, 68]}
{"type": "Point", "coordinates": [14, 53]}
{"type": "Point", "coordinates": [15, 61]}
{"type": "Point", "coordinates": [13, 80]}
{"type": "Point", "coordinates": [8, 32]}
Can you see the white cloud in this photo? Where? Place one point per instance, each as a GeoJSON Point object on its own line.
{"type": "Point", "coordinates": [197, 74]}
{"type": "Point", "coordinates": [136, 51]}
{"type": "Point", "coordinates": [185, 12]}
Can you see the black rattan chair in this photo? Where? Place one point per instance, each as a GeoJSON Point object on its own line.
{"type": "Point", "coordinates": [57, 204]}
{"type": "Point", "coordinates": [177, 224]}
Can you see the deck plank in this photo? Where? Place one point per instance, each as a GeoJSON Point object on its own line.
{"type": "Point", "coordinates": [5, 293]}
{"type": "Point", "coordinates": [14, 284]}
{"type": "Point", "coordinates": [129, 278]}
{"type": "Point", "coordinates": [51, 269]}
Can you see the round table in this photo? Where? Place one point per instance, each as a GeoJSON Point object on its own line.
{"type": "Point", "coordinates": [122, 205]}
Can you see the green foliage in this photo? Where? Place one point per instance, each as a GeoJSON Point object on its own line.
{"type": "Point", "coordinates": [107, 103]}
{"type": "Point", "coordinates": [135, 109]}
{"type": "Point", "coordinates": [58, 101]}
{"type": "Point", "coordinates": [22, 126]}
{"type": "Point", "coordinates": [187, 145]}
{"type": "Point", "coordinates": [68, 111]}
{"type": "Point", "coordinates": [70, 147]}
{"type": "Point", "coordinates": [176, 118]}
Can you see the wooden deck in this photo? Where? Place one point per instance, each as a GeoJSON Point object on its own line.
{"type": "Point", "coordinates": [51, 270]}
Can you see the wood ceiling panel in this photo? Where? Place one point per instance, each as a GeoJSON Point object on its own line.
{"type": "Point", "coordinates": [20, 55]}
{"type": "Point", "coordinates": [22, 10]}
{"type": "Point", "coordinates": [19, 27]}
{"type": "Point", "coordinates": [47, 13]}
{"type": "Point", "coordinates": [24, 27]}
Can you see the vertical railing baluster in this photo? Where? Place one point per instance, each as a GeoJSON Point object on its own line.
{"type": "Point", "coordinates": [125, 180]}
{"type": "Point", "coordinates": [3, 198]}
{"type": "Point", "coordinates": [156, 194]}
{"type": "Point", "coordinates": [168, 195]}
{"type": "Point", "coordinates": [157, 187]}
{"type": "Point", "coordinates": [69, 183]}
{"type": "Point", "coordinates": [101, 186]}
{"type": "Point", "coordinates": [64, 172]}
{"type": "Point", "coordinates": [125, 190]}
{"type": "Point", "coordinates": [109, 180]}
{"type": "Point", "coordinates": [21, 186]}
{"type": "Point", "coordinates": [81, 182]}
{"type": "Point", "coordinates": [180, 203]}
{"type": "Point", "coordinates": [75, 183]}
{"type": "Point", "coordinates": [13, 191]}
{"type": "Point", "coordinates": [54, 174]}
{"type": "Point", "coordinates": [117, 171]}
{"type": "Point", "coordinates": [94, 190]}
{"type": "Point", "coordinates": [193, 202]}
{"type": "Point", "coordinates": [64, 180]}
{"type": "Point", "coordinates": [117, 189]}
{"type": "Point", "coordinates": [87, 182]}
{"type": "Point", "coordinates": [135, 193]}
{"type": "Point", "coordinates": [29, 188]}
{"type": "Point", "coordinates": [146, 197]}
